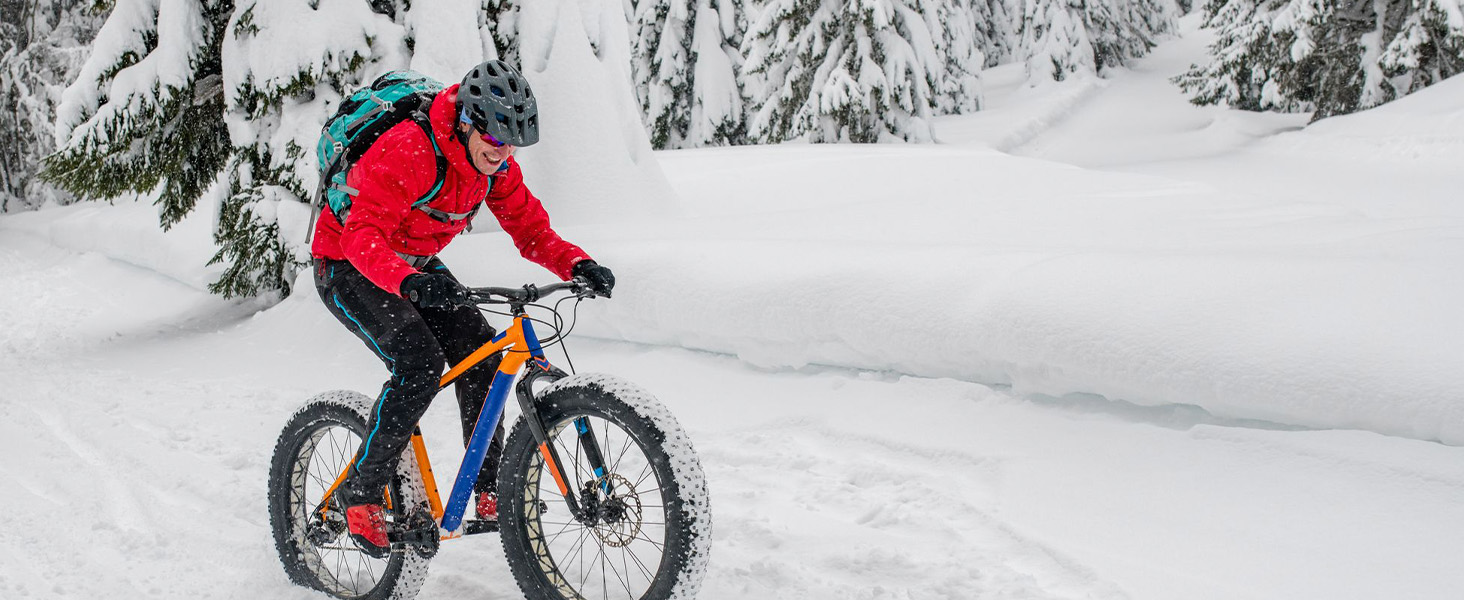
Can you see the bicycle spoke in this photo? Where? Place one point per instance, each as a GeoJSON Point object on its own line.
{"type": "Point", "coordinates": [629, 441]}
{"type": "Point", "coordinates": [566, 528]}
{"type": "Point", "coordinates": [646, 472]}
{"type": "Point", "coordinates": [626, 565]}
{"type": "Point", "coordinates": [604, 562]}
{"type": "Point", "coordinates": [650, 575]}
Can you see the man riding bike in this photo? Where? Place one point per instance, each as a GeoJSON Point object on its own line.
{"type": "Point", "coordinates": [378, 272]}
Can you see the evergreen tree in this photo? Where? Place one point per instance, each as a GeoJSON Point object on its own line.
{"type": "Point", "coordinates": [1062, 38]}
{"type": "Point", "coordinates": [686, 63]}
{"type": "Point", "coordinates": [289, 66]}
{"type": "Point", "coordinates": [184, 96]}
{"type": "Point", "coordinates": [144, 115]}
{"type": "Point", "coordinates": [959, 39]}
{"type": "Point", "coordinates": [842, 71]}
{"type": "Point", "coordinates": [1000, 27]}
{"type": "Point", "coordinates": [500, 24]}
{"type": "Point", "coordinates": [1245, 67]}
{"type": "Point", "coordinates": [1327, 57]}
{"type": "Point", "coordinates": [42, 46]}
{"type": "Point", "coordinates": [1055, 41]}
{"type": "Point", "coordinates": [1429, 45]}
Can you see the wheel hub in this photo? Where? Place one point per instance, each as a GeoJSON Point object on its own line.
{"type": "Point", "coordinates": [613, 510]}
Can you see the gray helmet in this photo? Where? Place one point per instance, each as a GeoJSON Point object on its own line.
{"type": "Point", "coordinates": [496, 99]}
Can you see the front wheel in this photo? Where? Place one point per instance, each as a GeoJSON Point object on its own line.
{"type": "Point", "coordinates": [644, 528]}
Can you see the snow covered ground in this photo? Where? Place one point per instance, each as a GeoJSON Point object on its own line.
{"type": "Point", "coordinates": [1097, 344]}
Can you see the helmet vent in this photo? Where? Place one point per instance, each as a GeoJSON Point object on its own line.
{"type": "Point", "coordinates": [497, 91]}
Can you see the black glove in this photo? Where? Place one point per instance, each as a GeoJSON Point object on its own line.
{"type": "Point", "coordinates": [434, 290]}
{"type": "Point", "coordinates": [601, 280]}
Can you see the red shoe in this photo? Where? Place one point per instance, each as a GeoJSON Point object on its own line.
{"type": "Point", "coordinates": [488, 506]}
{"type": "Point", "coordinates": [367, 523]}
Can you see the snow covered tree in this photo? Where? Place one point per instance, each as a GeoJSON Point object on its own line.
{"type": "Point", "coordinates": [594, 160]}
{"type": "Point", "coordinates": [1245, 66]}
{"type": "Point", "coordinates": [842, 70]}
{"type": "Point", "coordinates": [499, 19]}
{"type": "Point", "coordinates": [687, 65]}
{"type": "Point", "coordinates": [1327, 57]}
{"type": "Point", "coordinates": [999, 30]}
{"type": "Point", "coordinates": [1061, 38]}
{"type": "Point", "coordinates": [287, 65]}
{"type": "Point", "coordinates": [1055, 41]}
{"type": "Point", "coordinates": [143, 116]}
{"type": "Point", "coordinates": [42, 45]}
{"type": "Point", "coordinates": [184, 96]}
{"type": "Point", "coordinates": [961, 29]}
{"type": "Point", "coordinates": [1429, 45]}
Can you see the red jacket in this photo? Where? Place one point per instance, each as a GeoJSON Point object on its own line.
{"type": "Point", "coordinates": [398, 169]}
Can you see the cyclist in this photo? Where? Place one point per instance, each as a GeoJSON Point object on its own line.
{"type": "Point", "coordinates": [378, 272]}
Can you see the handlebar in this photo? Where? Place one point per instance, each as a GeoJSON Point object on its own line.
{"type": "Point", "coordinates": [520, 296]}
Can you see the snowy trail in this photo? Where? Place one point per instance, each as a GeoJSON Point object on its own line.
{"type": "Point", "coordinates": [138, 456]}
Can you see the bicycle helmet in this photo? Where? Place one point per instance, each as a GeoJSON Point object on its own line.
{"type": "Point", "coordinates": [496, 99]}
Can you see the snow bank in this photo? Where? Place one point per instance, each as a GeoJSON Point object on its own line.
{"type": "Point", "coordinates": [1055, 280]}
{"type": "Point", "coordinates": [128, 231]}
{"type": "Point", "coordinates": [1426, 126]}
{"type": "Point", "coordinates": [971, 264]}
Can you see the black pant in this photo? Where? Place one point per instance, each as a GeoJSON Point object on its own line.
{"type": "Point", "coordinates": [414, 344]}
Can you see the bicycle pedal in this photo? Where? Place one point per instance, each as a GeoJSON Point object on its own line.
{"type": "Point", "coordinates": [419, 533]}
{"type": "Point", "coordinates": [477, 526]}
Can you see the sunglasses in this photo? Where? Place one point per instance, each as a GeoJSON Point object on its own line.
{"type": "Point", "coordinates": [488, 139]}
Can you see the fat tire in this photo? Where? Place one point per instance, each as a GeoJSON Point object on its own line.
{"type": "Point", "coordinates": [406, 570]}
{"type": "Point", "coordinates": [668, 450]}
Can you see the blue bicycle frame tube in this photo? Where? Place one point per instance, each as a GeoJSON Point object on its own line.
{"type": "Point", "coordinates": [462, 488]}
{"type": "Point", "coordinates": [531, 339]}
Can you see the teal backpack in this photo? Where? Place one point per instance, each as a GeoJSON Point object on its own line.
{"type": "Point", "coordinates": [362, 118]}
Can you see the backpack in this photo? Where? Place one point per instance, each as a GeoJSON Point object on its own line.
{"type": "Point", "coordinates": [361, 119]}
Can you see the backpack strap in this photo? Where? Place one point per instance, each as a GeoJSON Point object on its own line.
{"type": "Point", "coordinates": [441, 216]}
{"type": "Point", "coordinates": [421, 204]}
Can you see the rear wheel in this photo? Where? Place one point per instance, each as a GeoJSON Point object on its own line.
{"type": "Point", "coordinates": [645, 527]}
{"type": "Point", "coordinates": [310, 534]}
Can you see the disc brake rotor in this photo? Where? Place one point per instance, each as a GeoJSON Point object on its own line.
{"type": "Point", "coordinates": [620, 511]}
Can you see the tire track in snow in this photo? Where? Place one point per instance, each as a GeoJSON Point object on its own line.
{"type": "Point", "coordinates": [808, 511]}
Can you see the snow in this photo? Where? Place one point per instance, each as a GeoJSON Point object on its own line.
{"type": "Point", "coordinates": [593, 159]}
{"type": "Point", "coordinates": [439, 51]}
{"type": "Point", "coordinates": [1099, 343]}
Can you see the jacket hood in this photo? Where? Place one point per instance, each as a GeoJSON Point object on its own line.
{"type": "Point", "coordinates": [444, 126]}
